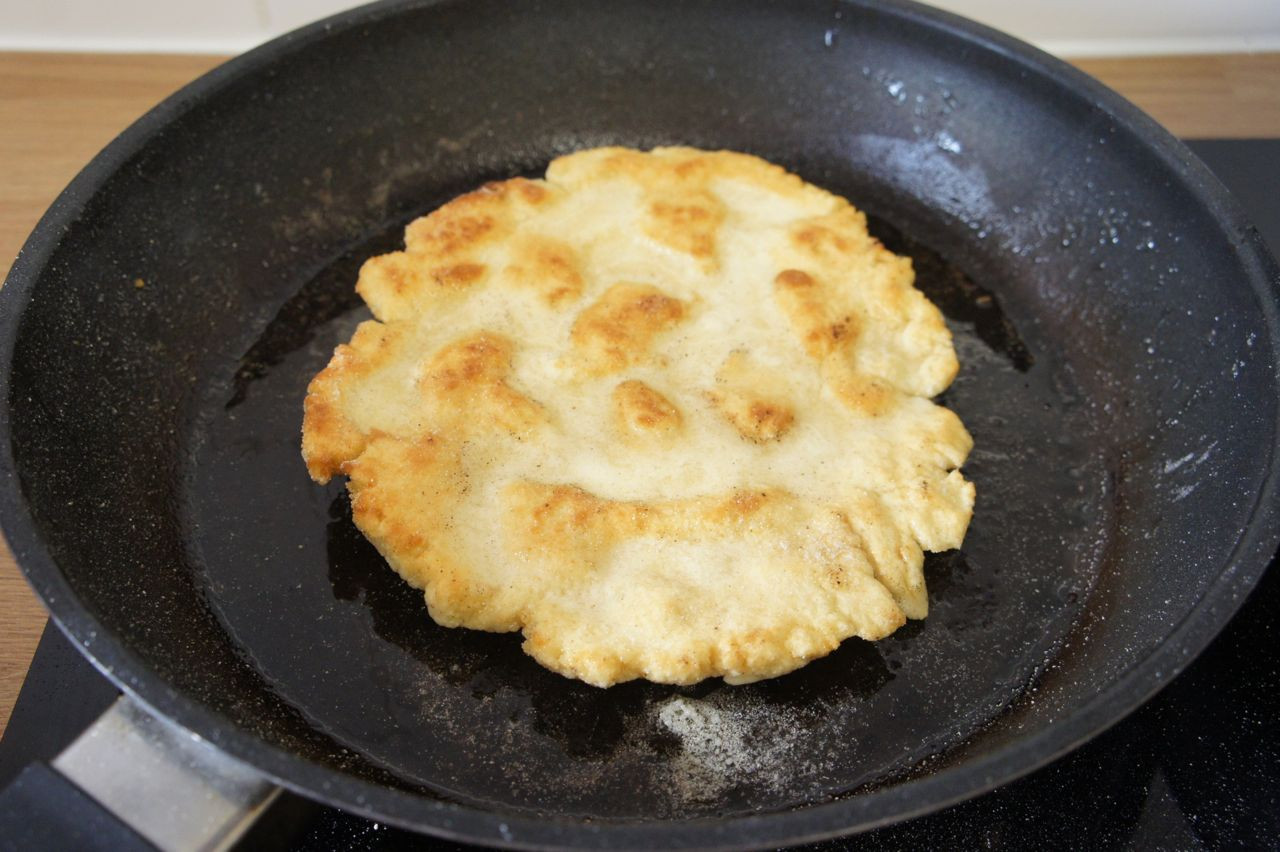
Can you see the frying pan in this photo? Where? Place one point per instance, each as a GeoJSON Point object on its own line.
{"type": "Point", "coordinates": [1114, 313]}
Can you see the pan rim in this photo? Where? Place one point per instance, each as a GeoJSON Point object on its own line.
{"type": "Point", "coordinates": [1221, 598]}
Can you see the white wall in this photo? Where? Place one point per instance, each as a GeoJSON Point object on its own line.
{"type": "Point", "coordinates": [1066, 27]}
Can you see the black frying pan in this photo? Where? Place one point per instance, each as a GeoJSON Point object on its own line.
{"type": "Point", "coordinates": [1114, 313]}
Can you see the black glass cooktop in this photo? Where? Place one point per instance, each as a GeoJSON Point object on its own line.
{"type": "Point", "coordinates": [1198, 767]}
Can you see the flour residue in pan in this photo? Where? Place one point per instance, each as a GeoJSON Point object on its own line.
{"type": "Point", "coordinates": [724, 744]}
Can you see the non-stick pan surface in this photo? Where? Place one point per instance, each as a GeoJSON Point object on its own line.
{"type": "Point", "coordinates": [1114, 315]}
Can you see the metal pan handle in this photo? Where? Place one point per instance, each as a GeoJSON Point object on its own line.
{"type": "Point", "coordinates": [133, 774]}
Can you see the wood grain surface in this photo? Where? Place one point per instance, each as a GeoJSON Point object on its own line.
{"type": "Point", "coordinates": [58, 110]}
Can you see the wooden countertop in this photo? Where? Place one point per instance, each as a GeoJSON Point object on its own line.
{"type": "Point", "coordinates": [58, 110]}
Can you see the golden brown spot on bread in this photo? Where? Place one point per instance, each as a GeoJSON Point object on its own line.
{"type": "Point", "coordinates": [756, 420]}
{"type": "Point", "coordinates": [753, 399]}
{"type": "Point", "coordinates": [466, 383]}
{"type": "Point", "coordinates": [687, 223]}
{"type": "Point", "coordinates": [821, 241]}
{"type": "Point", "coordinates": [483, 358]}
{"type": "Point", "coordinates": [765, 421]}
{"type": "Point", "coordinates": [739, 506]}
{"type": "Point", "coordinates": [640, 409]}
{"type": "Point", "coordinates": [447, 235]}
{"type": "Point", "coordinates": [795, 280]}
{"type": "Point", "coordinates": [328, 439]}
{"type": "Point", "coordinates": [860, 393]}
{"type": "Point", "coordinates": [390, 284]}
{"type": "Point", "coordinates": [809, 236]}
{"type": "Point", "coordinates": [531, 192]}
{"type": "Point", "coordinates": [834, 238]}
{"type": "Point", "coordinates": [477, 218]}
{"type": "Point", "coordinates": [560, 510]}
{"type": "Point", "coordinates": [694, 169]}
{"type": "Point", "coordinates": [564, 528]}
{"type": "Point", "coordinates": [808, 307]}
{"type": "Point", "coordinates": [459, 275]}
{"type": "Point", "coordinates": [398, 284]}
{"type": "Point", "coordinates": [618, 330]}
{"type": "Point", "coordinates": [547, 266]}
{"type": "Point", "coordinates": [557, 525]}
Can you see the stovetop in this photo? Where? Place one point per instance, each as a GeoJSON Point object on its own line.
{"type": "Point", "coordinates": [1198, 767]}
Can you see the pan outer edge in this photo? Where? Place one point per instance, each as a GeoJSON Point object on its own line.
{"type": "Point", "coordinates": [1253, 549]}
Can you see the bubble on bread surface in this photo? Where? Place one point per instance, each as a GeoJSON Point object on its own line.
{"type": "Point", "coordinates": [668, 413]}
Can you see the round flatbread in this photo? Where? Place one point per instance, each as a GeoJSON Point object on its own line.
{"type": "Point", "coordinates": [668, 413]}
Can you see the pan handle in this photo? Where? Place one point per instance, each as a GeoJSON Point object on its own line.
{"type": "Point", "coordinates": [168, 786]}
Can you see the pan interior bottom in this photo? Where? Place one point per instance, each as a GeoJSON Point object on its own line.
{"type": "Point", "coordinates": [469, 716]}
